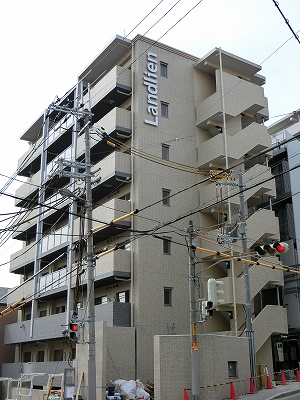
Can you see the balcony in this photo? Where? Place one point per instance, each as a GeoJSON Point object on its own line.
{"type": "Point", "coordinates": [13, 370]}
{"type": "Point", "coordinates": [254, 138]}
{"type": "Point", "coordinates": [28, 191]}
{"type": "Point", "coordinates": [30, 162]}
{"type": "Point", "coordinates": [52, 281]}
{"type": "Point", "coordinates": [51, 327]}
{"type": "Point", "coordinates": [20, 331]}
{"type": "Point", "coordinates": [235, 101]}
{"type": "Point", "coordinates": [106, 213]}
{"type": "Point", "coordinates": [59, 136]}
{"type": "Point", "coordinates": [111, 91]}
{"type": "Point", "coordinates": [54, 244]}
{"type": "Point", "coordinates": [271, 320]}
{"type": "Point", "coordinates": [115, 173]}
{"type": "Point", "coordinates": [26, 230]}
{"type": "Point", "coordinates": [20, 292]}
{"type": "Point", "coordinates": [22, 261]}
{"type": "Point", "coordinates": [113, 265]}
{"type": "Point", "coordinates": [117, 124]}
{"type": "Point", "coordinates": [56, 207]}
{"type": "Point", "coordinates": [27, 194]}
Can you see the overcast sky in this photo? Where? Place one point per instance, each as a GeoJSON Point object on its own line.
{"type": "Point", "coordinates": [45, 45]}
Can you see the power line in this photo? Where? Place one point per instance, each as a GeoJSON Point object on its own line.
{"type": "Point", "coordinates": [286, 21]}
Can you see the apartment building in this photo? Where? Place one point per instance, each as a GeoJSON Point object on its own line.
{"type": "Point", "coordinates": [6, 352]}
{"type": "Point", "coordinates": [175, 121]}
{"type": "Point", "coordinates": [284, 166]}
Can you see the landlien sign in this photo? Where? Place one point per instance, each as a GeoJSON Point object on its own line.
{"type": "Point", "coordinates": [150, 80]}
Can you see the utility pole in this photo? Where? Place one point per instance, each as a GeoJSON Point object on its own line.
{"type": "Point", "coordinates": [90, 269]}
{"type": "Point", "coordinates": [249, 327]}
{"type": "Point", "coordinates": [86, 113]}
{"type": "Point", "coordinates": [193, 314]}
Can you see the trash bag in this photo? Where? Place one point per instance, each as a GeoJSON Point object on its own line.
{"type": "Point", "coordinates": [131, 389]}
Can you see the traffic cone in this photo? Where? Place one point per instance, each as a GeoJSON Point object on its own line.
{"type": "Point", "coordinates": [185, 395]}
{"type": "Point", "coordinates": [283, 380]}
{"type": "Point", "coordinates": [269, 384]}
{"type": "Point", "coordinates": [232, 392]}
{"type": "Point", "coordinates": [297, 375]}
{"type": "Point", "coordinates": [252, 388]}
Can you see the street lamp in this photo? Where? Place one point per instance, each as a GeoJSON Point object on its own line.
{"type": "Point", "coordinates": [68, 193]}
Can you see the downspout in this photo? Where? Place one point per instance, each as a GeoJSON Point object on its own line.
{"type": "Point", "coordinates": [132, 192]}
{"type": "Point", "coordinates": [227, 187]}
{"type": "Point", "coordinates": [39, 224]}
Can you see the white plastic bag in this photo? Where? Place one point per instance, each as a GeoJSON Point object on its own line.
{"type": "Point", "coordinates": [131, 389]}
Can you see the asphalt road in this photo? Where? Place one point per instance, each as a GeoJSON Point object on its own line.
{"type": "Point", "coordinates": [293, 396]}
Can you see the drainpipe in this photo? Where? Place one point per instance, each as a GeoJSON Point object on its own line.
{"type": "Point", "coordinates": [228, 201]}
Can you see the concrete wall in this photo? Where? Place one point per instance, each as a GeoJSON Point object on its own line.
{"type": "Point", "coordinates": [115, 357]}
{"type": "Point", "coordinates": [7, 353]}
{"type": "Point", "coordinates": [172, 357]}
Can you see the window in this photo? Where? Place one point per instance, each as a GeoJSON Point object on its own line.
{"type": "Point", "coordinates": [43, 313]}
{"type": "Point", "coordinates": [41, 356]}
{"type": "Point", "coordinates": [58, 355]}
{"type": "Point", "coordinates": [27, 317]}
{"type": "Point", "coordinates": [101, 300]}
{"type": "Point", "coordinates": [27, 356]}
{"type": "Point", "coordinates": [164, 109]}
{"type": "Point", "coordinates": [125, 246]}
{"type": "Point", "coordinates": [164, 69]}
{"type": "Point", "coordinates": [167, 296]}
{"type": "Point", "coordinates": [166, 197]}
{"type": "Point", "coordinates": [232, 369]}
{"type": "Point", "coordinates": [165, 150]}
{"type": "Point", "coordinates": [126, 197]}
{"type": "Point", "coordinates": [60, 309]}
{"type": "Point", "coordinates": [166, 245]}
{"type": "Point", "coordinates": [123, 297]}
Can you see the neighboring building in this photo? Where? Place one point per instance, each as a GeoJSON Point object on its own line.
{"type": "Point", "coordinates": [7, 353]}
{"type": "Point", "coordinates": [285, 162]}
{"type": "Point", "coordinates": [174, 118]}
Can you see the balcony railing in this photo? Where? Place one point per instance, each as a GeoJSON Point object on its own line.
{"type": "Point", "coordinates": [52, 326]}
{"type": "Point", "coordinates": [13, 370]}
{"type": "Point", "coordinates": [115, 172]}
{"type": "Point", "coordinates": [28, 191]}
{"type": "Point", "coordinates": [111, 91]}
{"type": "Point", "coordinates": [52, 281]}
{"type": "Point", "coordinates": [117, 124]}
{"type": "Point", "coordinates": [20, 260]}
{"type": "Point", "coordinates": [30, 162]}
{"type": "Point", "coordinates": [105, 214]}
{"type": "Point", "coordinates": [55, 239]}
{"type": "Point", "coordinates": [60, 128]}
{"type": "Point", "coordinates": [116, 264]}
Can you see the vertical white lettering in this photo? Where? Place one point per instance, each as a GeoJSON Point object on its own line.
{"type": "Point", "coordinates": [150, 80]}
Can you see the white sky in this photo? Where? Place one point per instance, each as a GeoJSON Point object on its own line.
{"type": "Point", "coordinates": [45, 45]}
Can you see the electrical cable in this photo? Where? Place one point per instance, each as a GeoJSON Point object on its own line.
{"type": "Point", "coordinates": [286, 21]}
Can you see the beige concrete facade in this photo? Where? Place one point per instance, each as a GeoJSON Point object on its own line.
{"type": "Point", "coordinates": [208, 114]}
